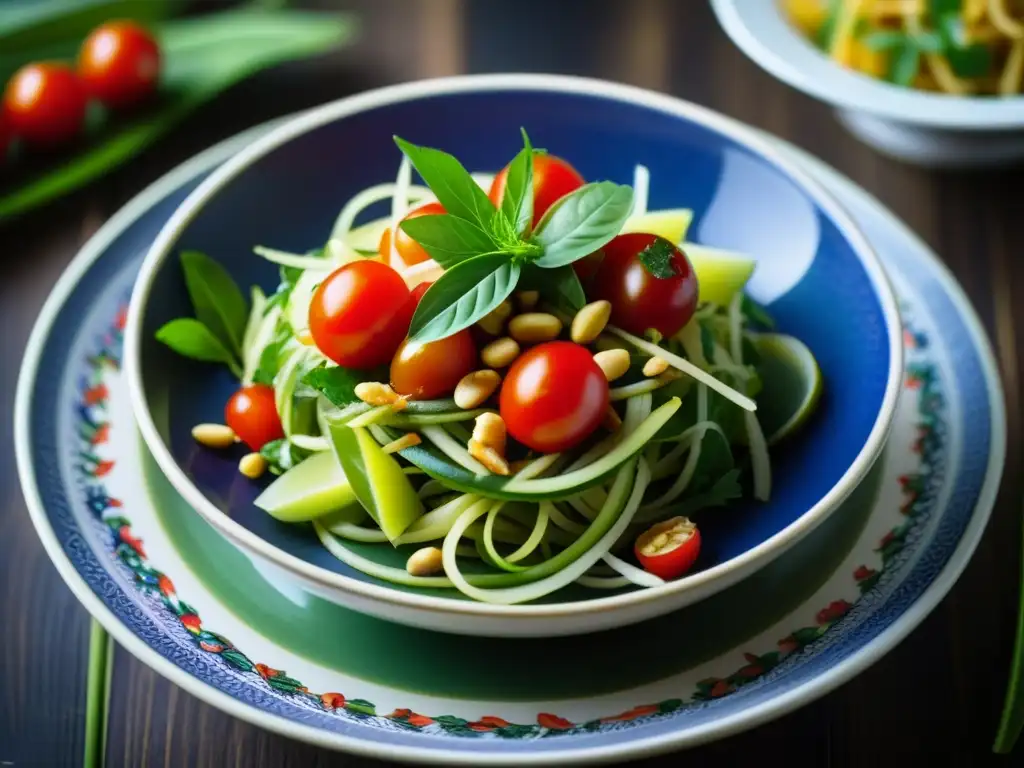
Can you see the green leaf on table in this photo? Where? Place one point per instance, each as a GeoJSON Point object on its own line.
{"type": "Point", "coordinates": [217, 299]}
{"type": "Point", "coordinates": [449, 239]}
{"type": "Point", "coordinates": [657, 259]}
{"type": "Point", "coordinates": [582, 221]}
{"type": "Point", "coordinates": [203, 55]}
{"type": "Point", "coordinates": [517, 202]}
{"type": "Point", "coordinates": [451, 183]}
{"type": "Point", "coordinates": [462, 295]}
{"type": "Point", "coordinates": [190, 338]}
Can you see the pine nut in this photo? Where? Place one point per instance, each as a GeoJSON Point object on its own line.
{"type": "Point", "coordinates": [590, 321]}
{"type": "Point", "coordinates": [408, 440]}
{"type": "Point", "coordinates": [655, 366]}
{"type": "Point", "coordinates": [614, 363]}
{"type": "Point", "coordinates": [500, 352]}
{"type": "Point", "coordinates": [252, 465]}
{"type": "Point", "coordinates": [375, 393]}
{"type": "Point", "coordinates": [533, 327]}
{"type": "Point", "coordinates": [528, 300]}
{"type": "Point", "coordinates": [611, 421]}
{"type": "Point", "coordinates": [474, 388]}
{"type": "Point", "coordinates": [424, 562]}
{"type": "Point", "coordinates": [489, 457]}
{"type": "Point", "coordinates": [489, 430]}
{"type": "Point", "coordinates": [494, 323]}
{"type": "Point", "coordinates": [213, 435]}
{"type": "Point", "coordinates": [659, 541]}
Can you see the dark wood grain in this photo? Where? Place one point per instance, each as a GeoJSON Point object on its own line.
{"type": "Point", "coordinates": [936, 697]}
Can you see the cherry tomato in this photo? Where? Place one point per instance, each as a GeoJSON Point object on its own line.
{"type": "Point", "coordinates": [417, 293]}
{"type": "Point", "coordinates": [431, 370]}
{"type": "Point", "coordinates": [119, 62]}
{"type": "Point", "coordinates": [410, 251]}
{"type": "Point", "coordinates": [45, 103]}
{"type": "Point", "coordinates": [554, 396]}
{"type": "Point", "coordinates": [668, 549]}
{"type": "Point", "coordinates": [360, 313]}
{"type": "Point", "coordinates": [639, 299]}
{"type": "Point", "coordinates": [252, 414]}
{"type": "Point", "coordinates": [553, 178]}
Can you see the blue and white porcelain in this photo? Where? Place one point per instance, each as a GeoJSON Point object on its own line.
{"type": "Point", "coordinates": [816, 274]}
{"type": "Point", "coordinates": [930, 129]}
{"type": "Point", "coordinates": [180, 598]}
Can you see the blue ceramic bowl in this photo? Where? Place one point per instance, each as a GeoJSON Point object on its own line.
{"type": "Point", "coordinates": [816, 273]}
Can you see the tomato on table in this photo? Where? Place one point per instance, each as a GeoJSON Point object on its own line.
{"type": "Point", "coordinates": [360, 313]}
{"type": "Point", "coordinates": [119, 62]}
{"type": "Point", "coordinates": [553, 397]}
{"type": "Point", "coordinates": [431, 370]}
{"type": "Point", "coordinates": [639, 299]}
{"type": "Point", "coordinates": [553, 178]}
{"type": "Point", "coordinates": [252, 414]}
{"type": "Point", "coordinates": [410, 251]}
{"type": "Point", "coordinates": [44, 103]}
{"type": "Point", "coordinates": [668, 549]}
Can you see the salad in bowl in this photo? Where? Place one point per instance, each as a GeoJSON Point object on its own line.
{"type": "Point", "coordinates": [521, 381]}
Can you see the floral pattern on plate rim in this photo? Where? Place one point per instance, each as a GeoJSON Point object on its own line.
{"type": "Point", "coordinates": [94, 430]}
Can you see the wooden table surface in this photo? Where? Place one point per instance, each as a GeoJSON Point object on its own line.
{"type": "Point", "coordinates": [937, 696]}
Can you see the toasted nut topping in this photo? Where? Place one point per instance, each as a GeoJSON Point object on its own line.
{"type": "Point", "coordinates": [214, 435]}
{"type": "Point", "coordinates": [489, 457]}
{"type": "Point", "coordinates": [252, 465]}
{"type": "Point", "coordinates": [528, 300]}
{"type": "Point", "coordinates": [424, 562]}
{"type": "Point", "coordinates": [518, 466]}
{"type": "Point", "coordinates": [489, 430]}
{"type": "Point", "coordinates": [614, 363]}
{"type": "Point", "coordinates": [500, 352]}
{"type": "Point", "coordinates": [590, 321]}
{"type": "Point", "coordinates": [304, 337]}
{"type": "Point", "coordinates": [474, 388]}
{"type": "Point", "coordinates": [494, 323]}
{"type": "Point", "coordinates": [670, 375]}
{"type": "Point", "coordinates": [655, 366]}
{"type": "Point", "coordinates": [611, 421]}
{"type": "Point", "coordinates": [534, 327]}
{"type": "Point", "coordinates": [408, 440]}
{"type": "Point", "coordinates": [375, 393]}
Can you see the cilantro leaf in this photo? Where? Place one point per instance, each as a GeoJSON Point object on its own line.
{"type": "Point", "coordinates": [657, 259]}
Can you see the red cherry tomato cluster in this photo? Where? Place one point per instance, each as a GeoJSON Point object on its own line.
{"type": "Point", "coordinates": [44, 103]}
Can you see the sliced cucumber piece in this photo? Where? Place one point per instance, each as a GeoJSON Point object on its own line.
{"type": "Point", "coordinates": [377, 480]}
{"type": "Point", "coordinates": [720, 274]}
{"type": "Point", "coordinates": [314, 488]}
{"type": "Point", "coordinates": [791, 384]}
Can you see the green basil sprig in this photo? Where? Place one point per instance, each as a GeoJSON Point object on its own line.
{"type": "Point", "coordinates": [486, 250]}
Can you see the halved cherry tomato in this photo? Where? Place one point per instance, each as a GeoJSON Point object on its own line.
{"type": "Point", "coordinates": [119, 62]}
{"type": "Point", "coordinates": [639, 299]}
{"type": "Point", "coordinates": [426, 371]}
{"type": "Point", "coordinates": [668, 549]}
{"type": "Point", "coordinates": [553, 178]}
{"type": "Point", "coordinates": [252, 414]}
{"type": "Point", "coordinates": [45, 103]}
{"type": "Point", "coordinates": [360, 313]}
{"type": "Point", "coordinates": [410, 251]}
{"type": "Point", "coordinates": [554, 396]}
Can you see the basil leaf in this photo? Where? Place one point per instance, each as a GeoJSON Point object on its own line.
{"type": "Point", "coordinates": [657, 259]}
{"type": "Point", "coordinates": [190, 338]}
{"type": "Point", "coordinates": [271, 358]}
{"type": "Point", "coordinates": [463, 295]}
{"type": "Point", "coordinates": [451, 183]}
{"type": "Point", "coordinates": [884, 39]}
{"type": "Point", "coordinates": [561, 287]}
{"type": "Point", "coordinates": [972, 61]}
{"type": "Point", "coordinates": [517, 201]}
{"type": "Point", "coordinates": [905, 65]}
{"type": "Point", "coordinates": [939, 8]}
{"type": "Point", "coordinates": [448, 239]}
{"type": "Point", "coordinates": [282, 455]}
{"type": "Point", "coordinates": [583, 221]}
{"type": "Point", "coordinates": [218, 301]}
{"type": "Point", "coordinates": [928, 42]}
{"type": "Point", "coordinates": [337, 384]}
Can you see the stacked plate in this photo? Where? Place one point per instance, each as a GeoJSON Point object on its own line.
{"type": "Point", "coordinates": [876, 502]}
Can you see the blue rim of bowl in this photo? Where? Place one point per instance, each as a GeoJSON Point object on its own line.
{"type": "Point", "coordinates": [703, 583]}
{"type": "Point", "coordinates": [934, 574]}
{"type": "Point", "coordinates": [760, 29]}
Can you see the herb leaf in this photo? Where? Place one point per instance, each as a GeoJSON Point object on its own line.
{"type": "Point", "coordinates": [337, 384]}
{"type": "Point", "coordinates": [884, 39]}
{"type": "Point", "coordinates": [905, 64]}
{"type": "Point", "coordinates": [448, 238]}
{"type": "Point", "coordinates": [282, 455]}
{"type": "Point", "coordinates": [517, 202]}
{"type": "Point", "coordinates": [271, 357]}
{"type": "Point", "coordinates": [561, 287]}
{"type": "Point", "coordinates": [218, 301]}
{"type": "Point", "coordinates": [965, 59]}
{"type": "Point", "coordinates": [189, 337]}
{"type": "Point", "coordinates": [657, 259]}
{"type": "Point", "coordinates": [583, 221]}
{"type": "Point", "coordinates": [463, 295]}
{"type": "Point", "coordinates": [455, 189]}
